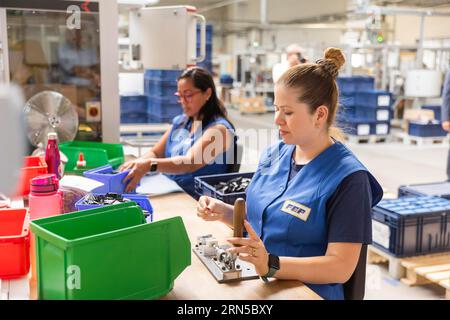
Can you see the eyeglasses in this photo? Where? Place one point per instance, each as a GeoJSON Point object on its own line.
{"type": "Point", "coordinates": [187, 96]}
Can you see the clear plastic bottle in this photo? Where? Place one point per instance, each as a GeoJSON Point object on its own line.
{"type": "Point", "coordinates": [52, 156]}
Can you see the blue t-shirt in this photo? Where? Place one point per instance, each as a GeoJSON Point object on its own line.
{"type": "Point", "coordinates": [342, 208]}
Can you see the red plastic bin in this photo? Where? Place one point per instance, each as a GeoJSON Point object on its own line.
{"type": "Point", "coordinates": [14, 243]}
{"type": "Point", "coordinates": [32, 167]}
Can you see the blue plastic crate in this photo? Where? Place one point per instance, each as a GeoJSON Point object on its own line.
{"type": "Point", "coordinates": [349, 85]}
{"type": "Point", "coordinates": [365, 113]}
{"type": "Point", "coordinates": [112, 180]}
{"type": "Point", "coordinates": [209, 34]}
{"type": "Point", "coordinates": [347, 100]}
{"type": "Point", "coordinates": [140, 199]}
{"type": "Point", "coordinates": [380, 128]}
{"type": "Point", "coordinates": [163, 108]}
{"type": "Point", "coordinates": [160, 119]}
{"type": "Point", "coordinates": [208, 50]}
{"type": "Point", "coordinates": [412, 226]}
{"type": "Point", "coordinates": [157, 74]}
{"type": "Point", "coordinates": [133, 104]}
{"type": "Point", "coordinates": [438, 189]}
{"type": "Point", "coordinates": [159, 88]}
{"type": "Point", "coordinates": [360, 127]}
{"type": "Point", "coordinates": [373, 99]}
{"type": "Point", "coordinates": [436, 109]}
{"type": "Point", "coordinates": [204, 185]}
{"type": "Point", "coordinates": [356, 127]}
{"type": "Point", "coordinates": [430, 129]}
{"type": "Point", "coordinates": [205, 65]}
{"type": "Point", "coordinates": [134, 117]}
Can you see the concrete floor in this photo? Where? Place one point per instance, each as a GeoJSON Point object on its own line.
{"type": "Point", "coordinates": [392, 163]}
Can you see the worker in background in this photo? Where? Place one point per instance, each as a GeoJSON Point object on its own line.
{"type": "Point", "coordinates": [309, 202]}
{"type": "Point", "coordinates": [293, 58]}
{"type": "Point", "coordinates": [445, 114]}
{"type": "Point", "coordinates": [200, 141]}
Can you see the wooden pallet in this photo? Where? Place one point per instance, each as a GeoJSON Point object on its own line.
{"type": "Point", "coordinates": [367, 139]}
{"type": "Point", "coordinates": [419, 270]}
{"type": "Point", "coordinates": [420, 141]}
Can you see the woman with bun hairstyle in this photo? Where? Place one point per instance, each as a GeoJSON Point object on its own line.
{"type": "Point", "coordinates": [309, 202]}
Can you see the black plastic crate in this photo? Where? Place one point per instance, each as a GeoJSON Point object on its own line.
{"type": "Point", "coordinates": [412, 226]}
{"type": "Point", "coordinates": [429, 129]}
{"type": "Point", "coordinates": [438, 189]}
{"type": "Point", "coordinates": [204, 186]}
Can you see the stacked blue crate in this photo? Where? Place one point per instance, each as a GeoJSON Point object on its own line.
{"type": "Point", "coordinates": [426, 129]}
{"type": "Point", "coordinates": [412, 226]}
{"type": "Point", "coordinates": [207, 63]}
{"type": "Point", "coordinates": [159, 88]}
{"type": "Point", "coordinates": [363, 110]}
{"type": "Point", "coordinates": [133, 108]}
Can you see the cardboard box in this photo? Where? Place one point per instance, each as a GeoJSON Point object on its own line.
{"type": "Point", "coordinates": [252, 105]}
{"type": "Point", "coordinates": [416, 115]}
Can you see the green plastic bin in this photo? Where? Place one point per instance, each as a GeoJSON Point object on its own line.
{"type": "Point", "coordinates": [109, 253]}
{"type": "Point", "coordinates": [96, 154]}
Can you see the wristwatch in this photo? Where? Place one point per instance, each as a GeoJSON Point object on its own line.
{"type": "Point", "coordinates": [153, 166]}
{"type": "Point", "coordinates": [274, 266]}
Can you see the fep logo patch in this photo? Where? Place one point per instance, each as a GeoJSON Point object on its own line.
{"type": "Point", "coordinates": [296, 209]}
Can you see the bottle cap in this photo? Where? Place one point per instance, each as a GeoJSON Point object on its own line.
{"type": "Point", "coordinates": [47, 183]}
{"type": "Point", "coordinates": [52, 136]}
{"type": "Point", "coordinates": [81, 162]}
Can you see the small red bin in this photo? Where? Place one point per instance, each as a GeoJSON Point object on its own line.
{"type": "Point", "coordinates": [14, 243]}
{"type": "Point", "coordinates": [31, 168]}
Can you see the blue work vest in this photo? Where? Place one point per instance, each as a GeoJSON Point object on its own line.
{"type": "Point", "coordinates": [181, 140]}
{"type": "Point", "coordinates": [290, 216]}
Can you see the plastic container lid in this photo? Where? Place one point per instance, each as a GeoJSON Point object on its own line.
{"type": "Point", "coordinates": [81, 163]}
{"type": "Point", "coordinates": [52, 136]}
{"type": "Point", "coordinates": [45, 184]}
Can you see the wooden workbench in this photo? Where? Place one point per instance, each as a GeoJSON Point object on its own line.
{"type": "Point", "coordinates": [195, 282]}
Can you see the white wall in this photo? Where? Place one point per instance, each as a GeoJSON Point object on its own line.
{"type": "Point", "coordinates": [407, 28]}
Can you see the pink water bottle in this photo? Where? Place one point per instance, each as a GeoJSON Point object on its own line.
{"type": "Point", "coordinates": [52, 157]}
{"type": "Point", "coordinates": [45, 198]}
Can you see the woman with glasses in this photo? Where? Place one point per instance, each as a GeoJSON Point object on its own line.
{"type": "Point", "coordinates": [201, 141]}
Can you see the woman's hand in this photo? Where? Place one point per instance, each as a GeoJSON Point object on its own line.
{"type": "Point", "coordinates": [138, 168]}
{"type": "Point", "coordinates": [210, 209]}
{"type": "Point", "coordinates": [252, 250]}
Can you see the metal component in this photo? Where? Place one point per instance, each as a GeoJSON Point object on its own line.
{"type": "Point", "coordinates": [223, 265]}
{"type": "Point", "coordinates": [50, 111]}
